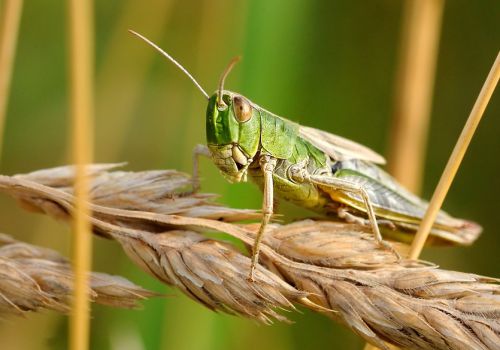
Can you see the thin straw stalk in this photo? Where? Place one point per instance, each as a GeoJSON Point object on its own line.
{"type": "Point", "coordinates": [82, 109]}
{"type": "Point", "coordinates": [11, 19]}
{"type": "Point", "coordinates": [455, 159]}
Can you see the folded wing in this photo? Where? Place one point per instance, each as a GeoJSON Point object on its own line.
{"type": "Point", "coordinates": [337, 147]}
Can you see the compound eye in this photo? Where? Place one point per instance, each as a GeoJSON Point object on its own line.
{"type": "Point", "coordinates": [242, 109]}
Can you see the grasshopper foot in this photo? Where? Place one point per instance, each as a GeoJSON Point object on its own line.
{"type": "Point", "coordinates": [250, 279]}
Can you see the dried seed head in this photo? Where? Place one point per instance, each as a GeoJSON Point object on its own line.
{"type": "Point", "coordinates": [34, 278]}
{"type": "Point", "coordinates": [337, 266]}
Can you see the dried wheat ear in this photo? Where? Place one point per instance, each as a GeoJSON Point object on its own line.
{"type": "Point", "coordinates": [34, 278]}
{"type": "Point", "coordinates": [333, 268]}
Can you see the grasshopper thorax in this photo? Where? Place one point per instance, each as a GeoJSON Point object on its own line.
{"type": "Point", "coordinates": [233, 133]}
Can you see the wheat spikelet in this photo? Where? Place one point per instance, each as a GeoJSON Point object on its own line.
{"type": "Point", "coordinates": [323, 265]}
{"type": "Point", "coordinates": [34, 278]}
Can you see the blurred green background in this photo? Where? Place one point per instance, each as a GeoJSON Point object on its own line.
{"type": "Point", "coordinates": [327, 64]}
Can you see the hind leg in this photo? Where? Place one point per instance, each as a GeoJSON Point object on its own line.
{"type": "Point", "coordinates": [342, 185]}
{"type": "Point", "coordinates": [343, 213]}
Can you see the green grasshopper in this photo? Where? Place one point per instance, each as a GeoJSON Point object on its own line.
{"type": "Point", "coordinates": [311, 168]}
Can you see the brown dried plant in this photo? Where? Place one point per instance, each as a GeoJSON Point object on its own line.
{"type": "Point", "coordinates": [34, 278]}
{"type": "Point", "coordinates": [330, 267]}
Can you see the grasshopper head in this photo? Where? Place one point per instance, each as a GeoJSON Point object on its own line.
{"type": "Point", "coordinates": [233, 133]}
{"type": "Point", "coordinates": [233, 124]}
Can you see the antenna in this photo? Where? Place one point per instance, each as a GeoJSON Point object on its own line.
{"type": "Point", "coordinates": [226, 72]}
{"type": "Point", "coordinates": [171, 59]}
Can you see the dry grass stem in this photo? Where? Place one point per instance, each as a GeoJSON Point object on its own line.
{"type": "Point", "coordinates": [414, 86]}
{"type": "Point", "coordinates": [330, 267]}
{"type": "Point", "coordinates": [34, 278]}
{"type": "Point", "coordinates": [11, 18]}
{"type": "Point", "coordinates": [82, 111]}
{"type": "Point", "coordinates": [455, 159]}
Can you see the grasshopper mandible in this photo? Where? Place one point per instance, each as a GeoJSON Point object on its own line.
{"type": "Point", "coordinates": [311, 168]}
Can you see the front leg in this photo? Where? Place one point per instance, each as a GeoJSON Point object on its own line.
{"type": "Point", "coordinates": [199, 150]}
{"type": "Point", "coordinates": [267, 165]}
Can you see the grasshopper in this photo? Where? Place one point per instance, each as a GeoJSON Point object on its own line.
{"type": "Point", "coordinates": [311, 168]}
